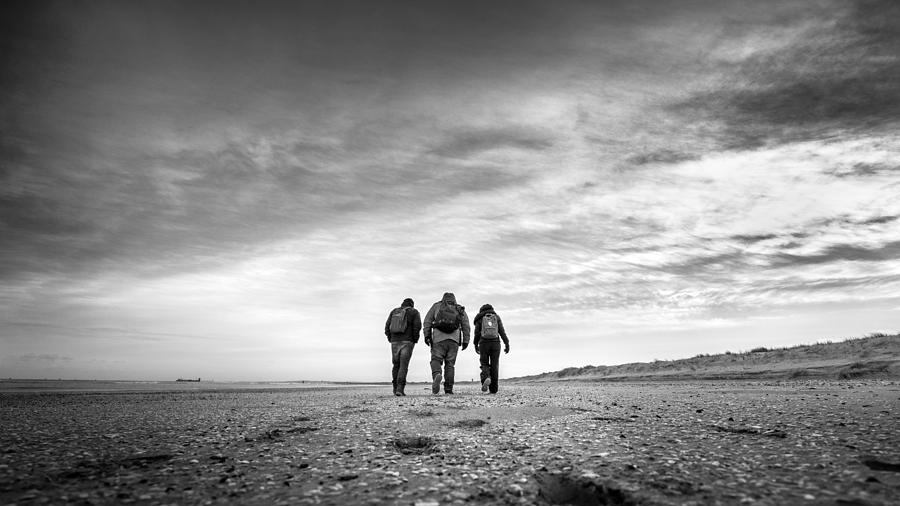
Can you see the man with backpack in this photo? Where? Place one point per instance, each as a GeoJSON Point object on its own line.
{"type": "Point", "coordinates": [488, 333]}
{"type": "Point", "coordinates": [446, 328]}
{"type": "Point", "coordinates": [402, 330]}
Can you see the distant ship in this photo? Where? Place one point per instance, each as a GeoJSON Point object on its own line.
{"type": "Point", "coordinates": [193, 380]}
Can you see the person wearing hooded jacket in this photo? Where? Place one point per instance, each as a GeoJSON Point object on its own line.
{"type": "Point", "coordinates": [402, 344]}
{"type": "Point", "coordinates": [488, 349]}
{"type": "Point", "coordinates": [445, 345]}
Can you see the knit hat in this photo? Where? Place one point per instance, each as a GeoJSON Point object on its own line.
{"type": "Point", "coordinates": [486, 307]}
{"type": "Point", "coordinates": [407, 302]}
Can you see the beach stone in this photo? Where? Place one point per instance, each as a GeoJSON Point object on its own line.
{"type": "Point", "coordinates": [516, 490]}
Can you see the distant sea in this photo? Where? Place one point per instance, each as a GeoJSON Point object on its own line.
{"type": "Point", "coordinates": [61, 385]}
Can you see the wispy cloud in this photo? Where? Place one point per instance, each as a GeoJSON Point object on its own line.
{"type": "Point", "coordinates": [467, 143]}
{"type": "Point", "coordinates": [44, 357]}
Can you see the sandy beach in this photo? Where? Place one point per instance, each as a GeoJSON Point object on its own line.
{"type": "Point", "coordinates": [809, 442]}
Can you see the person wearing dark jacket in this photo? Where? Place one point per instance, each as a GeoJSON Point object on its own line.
{"type": "Point", "coordinates": [402, 330]}
{"type": "Point", "coordinates": [488, 333]}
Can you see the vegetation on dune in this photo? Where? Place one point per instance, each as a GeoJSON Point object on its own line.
{"type": "Point", "coordinates": [876, 355]}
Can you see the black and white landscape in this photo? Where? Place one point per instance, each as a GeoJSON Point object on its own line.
{"type": "Point", "coordinates": [681, 209]}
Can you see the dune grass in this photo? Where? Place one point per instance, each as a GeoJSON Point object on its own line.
{"type": "Point", "coordinates": [876, 355]}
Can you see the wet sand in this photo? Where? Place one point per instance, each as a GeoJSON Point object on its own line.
{"type": "Point", "coordinates": [792, 442]}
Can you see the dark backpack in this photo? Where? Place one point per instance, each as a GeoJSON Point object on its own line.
{"type": "Point", "coordinates": [490, 327]}
{"type": "Point", "coordinates": [446, 318]}
{"type": "Point", "coordinates": [398, 320]}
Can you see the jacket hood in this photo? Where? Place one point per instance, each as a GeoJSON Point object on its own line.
{"type": "Point", "coordinates": [485, 309]}
{"type": "Point", "coordinates": [407, 303]}
{"type": "Point", "coordinates": [449, 297]}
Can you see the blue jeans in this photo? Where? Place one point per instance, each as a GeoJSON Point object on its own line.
{"type": "Point", "coordinates": [490, 362]}
{"type": "Point", "coordinates": [444, 352]}
{"type": "Point", "coordinates": [401, 352]}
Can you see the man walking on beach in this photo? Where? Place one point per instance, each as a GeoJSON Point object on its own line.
{"type": "Point", "coordinates": [402, 330]}
{"type": "Point", "coordinates": [446, 328]}
{"type": "Point", "coordinates": [488, 333]}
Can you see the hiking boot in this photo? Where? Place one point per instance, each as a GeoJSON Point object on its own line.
{"type": "Point", "coordinates": [398, 393]}
{"type": "Point", "coordinates": [486, 384]}
{"type": "Point", "coordinates": [436, 383]}
{"type": "Point", "coordinates": [449, 392]}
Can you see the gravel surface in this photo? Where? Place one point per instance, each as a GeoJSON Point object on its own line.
{"type": "Point", "coordinates": [801, 442]}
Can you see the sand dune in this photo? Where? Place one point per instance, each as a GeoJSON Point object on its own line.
{"type": "Point", "coordinates": [876, 357]}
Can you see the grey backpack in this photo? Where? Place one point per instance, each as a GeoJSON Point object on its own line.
{"type": "Point", "coordinates": [490, 326]}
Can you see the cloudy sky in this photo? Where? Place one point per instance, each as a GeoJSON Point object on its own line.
{"type": "Point", "coordinates": [243, 190]}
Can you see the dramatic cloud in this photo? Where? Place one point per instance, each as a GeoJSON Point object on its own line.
{"type": "Point", "coordinates": [243, 191]}
{"type": "Point", "coordinates": [836, 77]}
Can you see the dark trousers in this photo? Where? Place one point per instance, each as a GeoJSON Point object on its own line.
{"type": "Point", "coordinates": [444, 352]}
{"type": "Point", "coordinates": [401, 352]}
{"type": "Point", "coordinates": [490, 362]}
